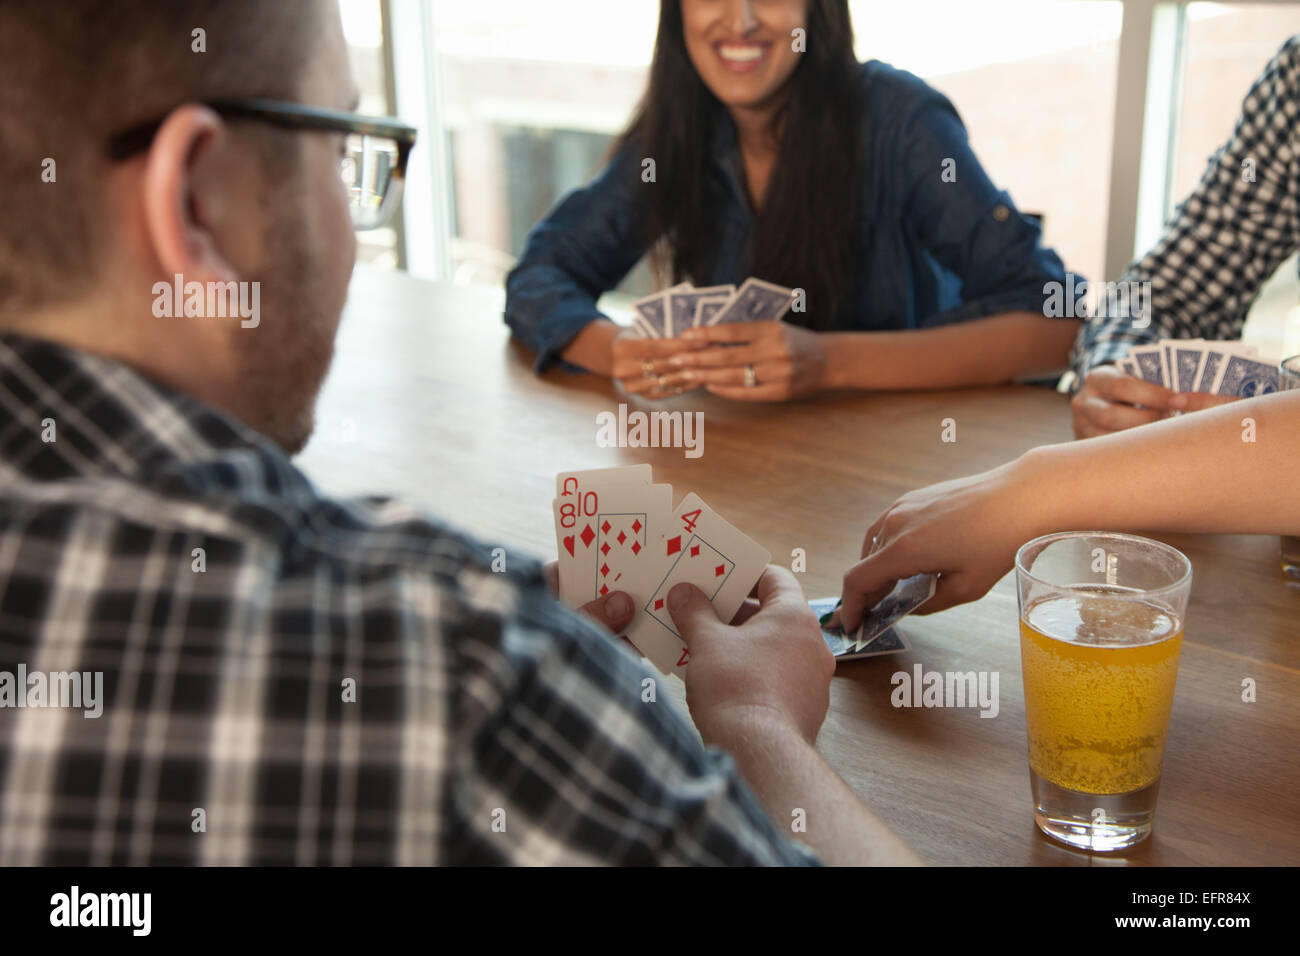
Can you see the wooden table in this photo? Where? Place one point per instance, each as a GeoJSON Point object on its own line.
{"type": "Point", "coordinates": [431, 401]}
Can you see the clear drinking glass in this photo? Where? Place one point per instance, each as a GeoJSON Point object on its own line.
{"type": "Point", "coordinates": [1101, 628]}
{"type": "Point", "coordinates": [1289, 372]}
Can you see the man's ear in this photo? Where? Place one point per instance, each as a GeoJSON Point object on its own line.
{"type": "Point", "coordinates": [178, 207]}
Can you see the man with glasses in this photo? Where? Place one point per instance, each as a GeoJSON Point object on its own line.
{"type": "Point", "coordinates": [373, 166]}
{"type": "Point", "coordinates": [287, 678]}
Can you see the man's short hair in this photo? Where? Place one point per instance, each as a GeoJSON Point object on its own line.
{"type": "Point", "coordinates": [75, 72]}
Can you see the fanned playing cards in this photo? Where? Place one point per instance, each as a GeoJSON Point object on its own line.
{"type": "Point", "coordinates": [616, 531]}
{"type": "Point", "coordinates": [1195, 365]}
{"type": "Point", "coordinates": [668, 314]}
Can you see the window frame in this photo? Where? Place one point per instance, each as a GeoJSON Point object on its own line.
{"type": "Point", "coordinates": [1144, 142]}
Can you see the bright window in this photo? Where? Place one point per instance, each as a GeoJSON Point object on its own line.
{"type": "Point", "coordinates": [533, 95]}
{"type": "Point", "coordinates": [363, 29]}
{"type": "Point", "coordinates": [1034, 82]}
{"type": "Point", "coordinates": [524, 99]}
{"type": "Point", "coordinates": [1224, 49]}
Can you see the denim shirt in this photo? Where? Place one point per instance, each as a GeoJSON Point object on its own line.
{"type": "Point", "coordinates": [933, 251]}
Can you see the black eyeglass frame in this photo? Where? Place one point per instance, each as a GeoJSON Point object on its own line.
{"type": "Point", "coordinates": [282, 113]}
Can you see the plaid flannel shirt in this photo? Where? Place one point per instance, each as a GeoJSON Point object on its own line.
{"type": "Point", "coordinates": [1227, 238]}
{"type": "Point", "coordinates": [293, 680]}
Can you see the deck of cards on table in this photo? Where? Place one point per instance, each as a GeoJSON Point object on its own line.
{"type": "Point", "coordinates": [876, 635]}
{"type": "Point", "coordinates": [617, 531]}
{"type": "Point", "coordinates": [1195, 365]}
{"type": "Point", "coordinates": [668, 314]}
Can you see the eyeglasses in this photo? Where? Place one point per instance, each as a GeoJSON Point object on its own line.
{"type": "Point", "coordinates": [373, 165]}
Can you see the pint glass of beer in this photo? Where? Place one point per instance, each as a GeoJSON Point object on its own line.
{"type": "Point", "coordinates": [1289, 372]}
{"type": "Point", "coordinates": [1101, 627]}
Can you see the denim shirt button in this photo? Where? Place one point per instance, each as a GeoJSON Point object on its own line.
{"type": "Point", "coordinates": [1001, 213]}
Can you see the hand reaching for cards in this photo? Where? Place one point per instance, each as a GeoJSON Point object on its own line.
{"type": "Point", "coordinates": [787, 361]}
{"type": "Point", "coordinates": [774, 661]}
{"type": "Point", "coordinates": [967, 531]}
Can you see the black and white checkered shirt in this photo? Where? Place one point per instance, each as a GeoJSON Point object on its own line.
{"type": "Point", "coordinates": [1227, 238]}
{"type": "Point", "coordinates": [293, 680]}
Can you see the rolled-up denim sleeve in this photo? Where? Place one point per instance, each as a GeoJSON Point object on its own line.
{"type": "Point", "coordinates": [583, 248]}
{"type": "Point", "coordinates": [970, 227]}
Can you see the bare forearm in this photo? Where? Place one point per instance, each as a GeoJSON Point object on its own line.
{"type": "Point", "coordinates": [989, 351]}
{"type": "Point", "coordinates": [1198, 473]}
{"type": "Point", "coordinates": [592, 348]}
{"type": "Point", "coordinates": [788, 775]}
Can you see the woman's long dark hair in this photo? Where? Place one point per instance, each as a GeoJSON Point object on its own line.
{"type": "Point", "coordinates": [805, 235]}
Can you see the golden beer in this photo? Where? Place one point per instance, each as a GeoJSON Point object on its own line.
{"type": "Point", "coordinates": [1101, 628]}
{"type": "Point", "coordinates": [1099, 675]}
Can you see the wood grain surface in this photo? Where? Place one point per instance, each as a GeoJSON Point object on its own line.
{"type": "Point", "coordinates": [431, 401]}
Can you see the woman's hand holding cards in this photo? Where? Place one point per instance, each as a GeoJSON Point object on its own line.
{"type": "Point", "coordinates": [753, 361]}
{"type": "Point", "coordinates": [729, 340]}
{"type": "Point", "coordinates": [643, 367]}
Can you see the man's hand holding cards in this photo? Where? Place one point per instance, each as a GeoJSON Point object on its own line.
{"type": "Point", "coordinates": [703, 549]}
{"type": "Point", "coordinates": [617, 531]}
{"type": "Point", "coordinates": [605, 524]}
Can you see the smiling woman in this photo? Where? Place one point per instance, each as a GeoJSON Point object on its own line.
{"type": "Point", "coordinates": [759, 47]}
{"type": "Point", "coordinates": [763, 148]}
{"type": "Point", "coordinates": [793, 111]}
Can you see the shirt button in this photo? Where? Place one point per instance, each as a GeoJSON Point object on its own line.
{"type": "Point", "coordinates": [1001, 213]}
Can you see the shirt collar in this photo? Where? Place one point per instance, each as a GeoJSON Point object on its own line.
{"type": "Point", "coordinates": [73, 414]}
